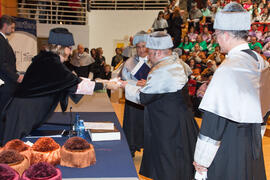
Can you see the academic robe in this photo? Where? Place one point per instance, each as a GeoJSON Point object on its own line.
{"type": "Point", "coordinates": [237, 157]}
{"type": "Point", "coordinates": [46, 83]}
{"type": "Point", "coordinates": [133, 122]}
{"type": "Point", "coordinates": [170, 130]}
{"type": "Point", "coordinates": [8, 72]}
{"type": "Point", "coordinates": [230, 142]}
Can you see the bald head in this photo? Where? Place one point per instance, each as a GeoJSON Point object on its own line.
{"type": "Point", "coordinates": [80, 48]}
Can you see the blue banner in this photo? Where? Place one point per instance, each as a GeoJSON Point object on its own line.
{"type": "Point", "coordinates": [26, 25]}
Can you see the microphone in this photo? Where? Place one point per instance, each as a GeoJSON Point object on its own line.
{"type": "Point", "coordinates": [70, 132]}
{"type": "Point", "coordinates": [70, 118]}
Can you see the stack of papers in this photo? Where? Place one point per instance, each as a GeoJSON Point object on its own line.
{"type": "Point", "coordinates": [102, 131]}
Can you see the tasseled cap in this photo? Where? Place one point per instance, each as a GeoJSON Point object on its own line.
{"type": "Point", "coordinates": [61, 36]}
{"type": "Point", "coordinates": [232, 17]}
{"type": "Point", "coordinates": [140, 37]}
{"type": "Point", "coordinates": [159, 40]}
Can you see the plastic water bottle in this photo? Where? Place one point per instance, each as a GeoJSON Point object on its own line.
{"type": "Point", "coordinates": [81, 129]}
{"type": "Point", "coordinates": [76, 123]}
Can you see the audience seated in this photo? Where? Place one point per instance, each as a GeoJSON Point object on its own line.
{"type": "Point", "coordinates": [197, 54]}
{"type": "Point", "coordinates": [266, 50]}
{"type": "Point", "coordinates": [216, 56]}
{"type": "Point", "coordinates": [206, 36]}
{"type": "Point", "coordinates": [118, 58]}
{"type": "Point", "coordinates": [255, 32]}
{"type": "Point", "coordinates": [186, 45]}
{"type": "Point", "coordinates": [212, 45]}
{"type": "Point", "coordinates": [192, 35]}
{"type": "Point", "coordinates": [201, 42]}
{"type": "Point", "coordinates": [259, 51]}
{"type": "Point", "coordinates": [254, 42]}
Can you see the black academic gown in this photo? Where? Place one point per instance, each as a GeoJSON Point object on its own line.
{"type": "Point", "coordinates": [8, 72]}
{"type": "Point", "coordinates": [170, 137]}
{"type": "Point", "coordinates": [240, 155]}
{"type": "Point", "coordinates": [46, 83]}
{"type": "Point", "coordinates": [133, 125]}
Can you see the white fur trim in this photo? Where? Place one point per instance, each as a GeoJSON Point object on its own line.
{"type": "Point", "coordinates": [164, 42]}
{"type": "Point", "coordinates": [238, 21]}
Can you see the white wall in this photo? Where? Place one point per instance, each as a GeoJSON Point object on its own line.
{"type": "Point", "coordinates": [80, 32]}
{"type": "Point", "coordinates": [107, 26]}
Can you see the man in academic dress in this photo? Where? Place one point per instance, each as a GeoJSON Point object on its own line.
{"type": "Point", "coordinates": [47, 82]}
{"type": "Point", "coordinates": [81, 61]}
{"type": "Point", "coordinates": [8, 71]}
{"type": "Point", "coordinates": [229, 146]}
{"type": "Point", "coordinates": [133, 123]}
{"type": "Point", "coordinates": [170, 130]}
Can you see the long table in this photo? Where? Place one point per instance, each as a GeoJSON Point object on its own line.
{"type": "Point", "coordinates": [114, 160]}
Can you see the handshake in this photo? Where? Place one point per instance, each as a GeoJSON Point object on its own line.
{"type": "Point", "coordinates": [116, 83]}
{"type": "Point", "coordinates": [112, 84]}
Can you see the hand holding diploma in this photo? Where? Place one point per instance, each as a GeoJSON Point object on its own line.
{"type": "Point", "coordinates": [141, 82]}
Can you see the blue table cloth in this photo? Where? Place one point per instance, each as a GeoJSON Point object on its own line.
{"type": "Point", "coordinates": [113, 157]}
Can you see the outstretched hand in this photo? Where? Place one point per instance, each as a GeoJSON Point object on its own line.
{"type": "Point", "coordinates": [200, 169]}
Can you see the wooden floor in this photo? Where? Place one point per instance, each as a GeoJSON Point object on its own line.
{"type": "Point", "coordinates": [119, 110]}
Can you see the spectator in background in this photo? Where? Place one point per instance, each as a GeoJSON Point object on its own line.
{"type": "Point", "coordinates": [172, 6]}
{"type": "Point", "coordinates": [216, 56]}
{"type": "Point", "coordinates": [160, 24]}
{"type": "Point", "coordinates": [265, 15]}
{"type": "Point", "coordinates": [253, 43]}
{"type": "Point", "coordinates": [195, 16]}
{"type": "Point", "coordinates": [130, 50]}
{"type": "Point", "coordinates": [75, 6]}
{"type": "Point", "coordinates": [186, 45]}
{"type": "Point", "coordinates": [166, 13]}
{"type": "Point", "coordinates": [266, 35]}
{"type": "Point", "coordinates": [86, 50]}
{"type": "Point", "coordinates": [211, 68]}
{"type": "Point", "coordinates": [201, 91]}
{"type": "Point", "coordinates": [266, 50]}
{"type": "Point", "coordinates": [212, 45]}
{"type": "Point", "coordinates": [255, 32]}
{"type": "Point", "coordinates": [117, 58]}
{"type": "Point", "coordinates": [256, 6]}
{"type": "Point", "coordinates": [100, 56]}
{"type": "Point", "coordinates": [206, 12]}
{"type": "Point", "coordinates": [202, 43]}
{"type": "Point", "coordinates": [256, 17]}
{"type": "Point", "coordinates": [98, 66]}
{"type": "Point", "coordinates": [197, 54]}
{"type": "Point", "coordinates": [248, 5]}
{"type": "Point", "coordinates": [81, 61]}
{"type": "Point", "coordinates": [93, 53]}
{"type": "Point", "coordinates": [175, 26]}
{"type": "Point", "coordinates": [259, 51]}
{"type": "Point", "coordinates": [192, 34]}
{"type": "Point", "coordinates": [107, 75]}
{"type": "Point", "coordinates": [206, 36]}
